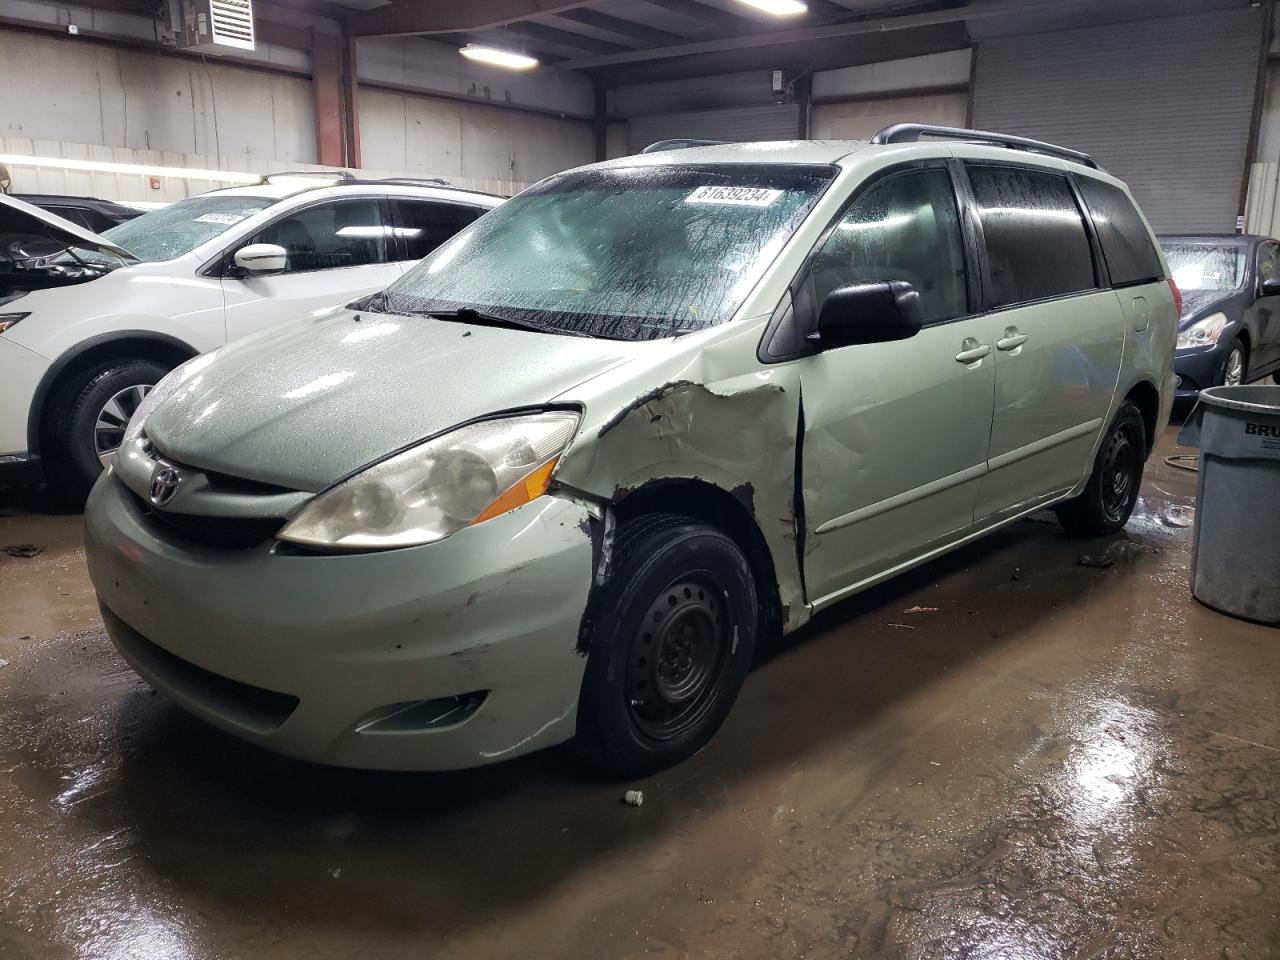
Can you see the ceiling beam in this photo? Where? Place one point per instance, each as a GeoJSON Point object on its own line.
{"type": "Point", "coordinates": [564, 38]}
{"type": "Point", "coordinates": [827, 31]}
{"type": "Point", "coordinates": [618, 26]}
{"type": "Point", "coordinates": [407, 17]}
{"type": "Point", "coordinates": [704, 12]}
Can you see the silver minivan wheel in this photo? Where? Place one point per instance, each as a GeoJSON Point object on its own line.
{"type": "Point", "coordinates": [108, 429]}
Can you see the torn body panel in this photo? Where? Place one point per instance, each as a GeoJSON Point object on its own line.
{"type": "Point", "coordinates": [737, 433]}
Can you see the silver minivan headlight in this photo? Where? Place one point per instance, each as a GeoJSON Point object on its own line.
{"type": "Point", "coordinates": [425, 493]}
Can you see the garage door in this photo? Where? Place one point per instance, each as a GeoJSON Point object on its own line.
{"type": "Point", "coordinates": [863, 119]}
{"type": "Point", "coordinates": [737, 124]}
{"type": "Point", "coordinates": [1163, 104]}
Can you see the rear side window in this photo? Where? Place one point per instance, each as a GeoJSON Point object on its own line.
{"type": "Point", "coordinates": [1037, 246]}
{"type": "Point", "coordinates": [422, 226]}
{"type": "Point", "coordinates": [1131, 256]}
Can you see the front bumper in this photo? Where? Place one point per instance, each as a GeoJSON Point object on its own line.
{"type": "Point", "coordinates": [1198, 368]}
{"type": "Point", "coordinates": [20, 373]}
{"type": "Point", "coordinates": [295, 652]}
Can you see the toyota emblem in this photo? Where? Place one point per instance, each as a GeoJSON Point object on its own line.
{"type": "Point", "coordinates": [165, 480]}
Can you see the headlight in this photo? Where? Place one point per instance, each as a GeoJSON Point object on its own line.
{"type": "Point", "coordinates": [1203, 332]}
{"type": "Point", "coordinates": [467, 476]}
{"type": "Point", "coordinates": [184, 375]}
{"type": "Point", "coordinates": [7, 320]}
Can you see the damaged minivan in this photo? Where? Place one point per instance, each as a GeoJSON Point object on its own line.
{"type": "Point", "coordinates": [560, 480]}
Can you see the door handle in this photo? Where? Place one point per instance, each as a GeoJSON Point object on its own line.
{"type": "Point", "coordinates": [1011, 340]}
{"type": "Point", "coordinates": [973, 354]}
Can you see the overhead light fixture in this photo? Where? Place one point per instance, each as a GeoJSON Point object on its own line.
{"type": "Point", "coordinates": [142, 169]}
{"type": "Point", "coordinates": [779, 8]}
{"type": "Point", "coordinates": [498, 58]}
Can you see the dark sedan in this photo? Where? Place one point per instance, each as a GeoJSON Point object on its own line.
{"type": "Point", "coordinates": [1229, 330]}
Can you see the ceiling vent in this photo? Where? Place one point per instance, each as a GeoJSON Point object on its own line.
{"type": "Point", "coordinates": [212, 24]}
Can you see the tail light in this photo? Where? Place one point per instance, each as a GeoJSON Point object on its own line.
{"type": "Point", "coordinates": [1177, 296]}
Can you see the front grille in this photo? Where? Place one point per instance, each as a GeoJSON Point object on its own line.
{"type": "Point", "coordinates": [226, 533]}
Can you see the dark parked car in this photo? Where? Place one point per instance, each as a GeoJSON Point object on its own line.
{"type": "Point", "coordinates": [88, 212]}
{"type": "Point", "coordinates": [1229, 330]}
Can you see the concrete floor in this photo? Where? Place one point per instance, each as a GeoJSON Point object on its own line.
{"type": "Point", "coordinates": [1063, 761]}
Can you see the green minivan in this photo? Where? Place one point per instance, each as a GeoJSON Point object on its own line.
{"type": "Point", "coordinates": [558, 480]}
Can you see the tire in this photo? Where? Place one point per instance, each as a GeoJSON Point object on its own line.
{"type": "Point", "coordinates": [1237, 349]}
{"type": "Point", "coordinates": [1108, 499]}
{"type": "Point", "coordinates": [71, 437]}
{"type": "Point", "coordinates": [675, 633]}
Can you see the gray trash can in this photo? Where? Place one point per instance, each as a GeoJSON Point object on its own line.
{"type": "Point", "coordinates": [1235, 553]}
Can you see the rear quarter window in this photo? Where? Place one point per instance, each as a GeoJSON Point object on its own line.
{"type": "Point", "coordinates": [1131, 256]}
{"type": "Point", "coordinates": [1037, 247]}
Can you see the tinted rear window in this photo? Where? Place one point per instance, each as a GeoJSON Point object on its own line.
{"type": "Point", "coordinates": [1037, 246]}
{"type": "Point", "coordinates": [1130, 254]}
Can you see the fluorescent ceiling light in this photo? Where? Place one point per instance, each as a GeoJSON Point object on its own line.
{"type": "Point", "coordinates": [141, 169]}
{"type": "Point", "coordinates": [499, 58]}
{"type": "Point", "coordinates": [779, 8]}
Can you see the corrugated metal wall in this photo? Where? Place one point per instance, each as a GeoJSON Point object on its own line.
{"type": "Point", "coordinates": [863, 119]}
{"type": "Point", "coordinates": [739, 124]}
{"type": "Point", "coordinates": [1164, 104]}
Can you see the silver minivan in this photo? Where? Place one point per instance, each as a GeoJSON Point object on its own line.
{"type": "Point", "coordinates": [559, 480]}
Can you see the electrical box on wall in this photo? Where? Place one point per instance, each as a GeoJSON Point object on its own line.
{"type": "Point", "coordinates": [211, 24]}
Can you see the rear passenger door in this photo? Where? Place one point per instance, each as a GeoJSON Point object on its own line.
{"type": "Point", "coordinates": [1059, 336]}
{"type": "Point", "coordinates": [420, 226]}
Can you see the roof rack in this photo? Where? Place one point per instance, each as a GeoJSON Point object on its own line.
{"type": "Point", "coordinates": [317, 174]}
{"type": "Point", "coordinates": [912, 132]}
{"type": "Point", "coordinates": [680, 144]}
{"type": "Point", "coordinates": [416, 181]}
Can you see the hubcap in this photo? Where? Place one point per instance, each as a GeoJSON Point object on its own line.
{"type": "Point", "coordinates": [1119, 472]}
{"type": "Point", "coordinates": [677, 658]}
{"type": "Point", "coordinates": [1233, 375]}
{"type": "Point", "coordinates": [108, 431]}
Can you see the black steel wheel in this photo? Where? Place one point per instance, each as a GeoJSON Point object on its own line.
{"type": "Point", "coordinates": [671, 641]}
{"type": "Point", "coordinates": [1109, 497]}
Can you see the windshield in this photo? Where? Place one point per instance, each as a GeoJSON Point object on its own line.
{"type": "Point", "coordinates": [1206, 266]}
{"type": "Point", "coordinates": [633, 254]}
{"type": "Point", "coordinates": [181, 227]}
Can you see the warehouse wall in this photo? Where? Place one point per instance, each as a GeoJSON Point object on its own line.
{"type": "Point", "coordinates": [69, 90]}
{"type": "Point", "coordinates": [427, 136]}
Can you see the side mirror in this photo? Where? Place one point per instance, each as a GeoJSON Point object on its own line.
{"type": "Point", "coordinates": [1271, 288]}
{"type": "Point", "coordinates": [876, 311]}
{"type": "Point", "coordinates": [262, 258]}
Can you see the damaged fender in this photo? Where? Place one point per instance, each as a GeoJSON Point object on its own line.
{"type": "Point", "coordinates": [737, 433]}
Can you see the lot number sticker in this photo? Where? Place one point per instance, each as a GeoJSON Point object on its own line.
{"type": "Point", "coordinates": [734, 196]}
{"type": "Point", "coordinates": [227, 219]}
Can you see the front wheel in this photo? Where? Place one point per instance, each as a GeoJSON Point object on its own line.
{"type": "Point", "coordinates": [1235, 367]}
{"type": "Point", "coordinates": [1108, 499]}
{"type": "Point", "coordinates": [676, 628]}
{"type": "Point", "coordinates": [87, 418]}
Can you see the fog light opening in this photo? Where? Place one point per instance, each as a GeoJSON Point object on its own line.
{"type": "Point", "coordinates": [413, 716]}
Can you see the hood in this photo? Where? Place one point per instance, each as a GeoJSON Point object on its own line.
{"type": "Point", "coordinates": [1197, 304]}
{"type": "Point", "coordinates": [18, 216]}
{"type": "Point", "coordinates": [309, 402]}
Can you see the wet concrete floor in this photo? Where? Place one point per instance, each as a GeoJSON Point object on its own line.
{"type": "Point", "coordinates": [1062, 761]}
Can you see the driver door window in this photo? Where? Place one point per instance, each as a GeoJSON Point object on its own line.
{"type": "Point", "coordinates": [905, 227]}
{"type": "Point", "coordinates": [330, 236]}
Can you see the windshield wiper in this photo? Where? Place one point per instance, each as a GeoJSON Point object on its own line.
{"type": "Point", "coordinates": [480, 318]}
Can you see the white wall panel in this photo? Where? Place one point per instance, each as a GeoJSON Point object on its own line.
{"type": "Point", "coordinates": [934, 70]}
{"type": "Point", "coordinates": [863, 119]}
{"type": "Point", "coordinates": [431, 137]}
{"type": "Point", "coordinates": [69, 91]}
